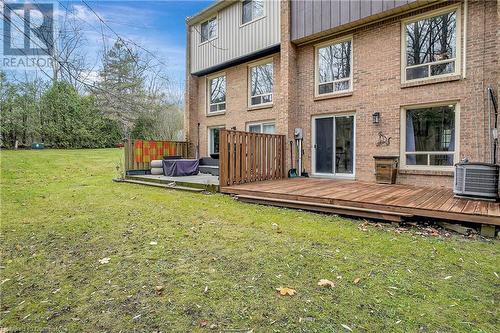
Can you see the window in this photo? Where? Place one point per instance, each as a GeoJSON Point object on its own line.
{"type": "Point", "coordinates": [213, 139]}
{"type": "Point", "coordinates": [430, 136]}
{"type": "Point", "coordinates": [261, 84]}
{"type": "Point", "coordinates": [209, 30]}
{"type": "Point", "coordinates": [251, 10]}
{"type": "Point", "coordinates": [268, 128]}
{"type": "Point", "coordinates": [334, 67]}
{"type": "Point", "coordinates": [431, 46]}
{"type": "Point", "coordinates": [217, 94]}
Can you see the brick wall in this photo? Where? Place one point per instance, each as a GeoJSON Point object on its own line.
{"type": "Point", "coordinates": [376, 88]}
{"type": "Point", "coordinates": [237, 114]}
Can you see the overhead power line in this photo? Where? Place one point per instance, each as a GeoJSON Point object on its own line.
{"type": "Point", "coordinates": [63, 66]}
{"type": "Point", "coordinates": [120, 38]}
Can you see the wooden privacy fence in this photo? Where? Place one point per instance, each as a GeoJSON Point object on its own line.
{"type": "Point", "coordinates": [246, 157]}
{"type": "Point", "coordinates": [140, 153]}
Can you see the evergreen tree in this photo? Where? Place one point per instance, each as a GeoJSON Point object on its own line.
{"type": "Point", "coordinates": [120, 94]}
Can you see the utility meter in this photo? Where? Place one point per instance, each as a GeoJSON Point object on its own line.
{"type": "Point", "coordinates": [297, 134]}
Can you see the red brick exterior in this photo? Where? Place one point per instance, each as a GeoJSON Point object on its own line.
{"type": "Point", "coordinates": [377, 87]}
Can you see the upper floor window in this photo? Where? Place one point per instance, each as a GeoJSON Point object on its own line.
{"type": "Point", "coordinates": [334, 67]}
{"type": "Point", "coordinates": [429, 139]}
{"type": "Point", "coordinates": [217, 94]}
{"type": "Point", "coordinates": [251, 10]}
{"type": "Point", "coordinates": [431, 46]}
{"type": "Point", "coordinates": [209, 30]}
{"type": "Point", "coordinates": [261, 84]}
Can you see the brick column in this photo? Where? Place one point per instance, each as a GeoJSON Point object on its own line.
{"type": "Point", "coordinates": [190, 101]}
{"type": "Point", "coordinates": [288, 80]}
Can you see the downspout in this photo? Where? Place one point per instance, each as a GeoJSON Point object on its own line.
{"type": "Point", "coordinates": [494, 131]}
{"type": "Point", "coordinates": [198, 142]}
{"type": "Point", "coordinates": [464, 62]}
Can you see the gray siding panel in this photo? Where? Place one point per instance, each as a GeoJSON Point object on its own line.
{"type": "Point", "coordinates": [344, 12]}
{"type": "Point", "coordinates": [366, 10]}
{"type": "Point", "coordinates": [377, 6]}
{"type": "Point", "coordinates": [308, 17]}
{"type": "Point", "coordinates": [335, 13]}
{"type": "Point", "coordinates": [388, 4]}
{"type": "Point", "coordinates": [355, 10]}
{"type": "Point", "coordinates": [316, 16]}
{"type": "Point", "coordinates": [325, 14]}
{"type": "Point", "coordinates": [311, 17]}
{"type": "Point", "coordinates": [233, 39]}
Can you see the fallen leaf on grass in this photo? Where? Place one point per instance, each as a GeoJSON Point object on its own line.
{"type": "Point", "coordinates": [159, 290]}
{"type": "Point", "coordinates": [305, 319]}
{"type": "Point", "coordinates": [326, 283]}
{"type": "Point", "coordinates": [203, 323]}
{"type": "Point", "coordinates": [346, 327]}
{"type": "Point", "coordinates": [356, 280]}
{"type": "Point", "coordinates": [276, 228]}
{"type": "Point", "coordinates": [286, 291]}
{"type": "Point", "coordinates": [104, 260]}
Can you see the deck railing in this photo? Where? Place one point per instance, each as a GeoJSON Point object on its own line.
{"type": "Point", "coordinates": [140, 153]}
{"type": "Point", "coordinates": [246, 157]}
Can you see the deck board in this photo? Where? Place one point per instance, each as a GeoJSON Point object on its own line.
{"type": "Point", "coordinates": [437, 203]}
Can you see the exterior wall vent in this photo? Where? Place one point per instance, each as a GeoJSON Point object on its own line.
{"type": "Point", "coordinates": [476, 180]}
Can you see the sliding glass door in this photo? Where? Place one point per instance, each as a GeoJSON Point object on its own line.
{"type": "Point", "coordinates": [333, 145]}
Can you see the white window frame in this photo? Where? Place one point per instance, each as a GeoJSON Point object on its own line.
{"type": "Point", "coordinates": [249, 78]}
{"type": "Point", "coordinates": [208, 94]}
{"type": "Point", "coordinates": [458, 52]}
{"type": "Point", "coordinates": [261, 124]}
{"type": "Point", "coordinates": [216, 18]}
{"type": "Point", "coordinates": [209, 137]}
{"type": "Point", "coordinates": [403, 153]}
{"type": "Point", "coordinates": [316, 67]}
{"type": "Point", "coordinates": [253, 19]}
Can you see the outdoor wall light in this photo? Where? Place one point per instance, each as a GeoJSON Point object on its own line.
{"type": "Point", "coordinates": [376, 117]}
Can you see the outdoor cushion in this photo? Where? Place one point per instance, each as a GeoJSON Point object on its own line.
{"type": "Point", "coordinates": [156, 164]}
{"type": "Point", "coordinates": [157, 171]}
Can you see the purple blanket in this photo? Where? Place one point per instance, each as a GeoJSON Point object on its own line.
{"type": "Point", "coordinates": [180, 167]}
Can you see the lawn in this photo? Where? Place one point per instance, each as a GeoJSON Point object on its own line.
{"type": "Point", "coordinates": [182, 262]}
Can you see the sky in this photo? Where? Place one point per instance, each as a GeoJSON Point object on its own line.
{"type": "Point", "coordinates": [158, 26]}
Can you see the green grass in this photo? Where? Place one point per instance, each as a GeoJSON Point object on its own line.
{"type": "Point", "coordinates": [61, 214]}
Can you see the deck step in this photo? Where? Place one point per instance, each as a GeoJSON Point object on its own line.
{"type": "Point", "coordinates": [327, 208]}
{"type": "Point", "coordinates": [171, 186]}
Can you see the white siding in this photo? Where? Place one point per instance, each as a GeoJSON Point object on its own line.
{"type": "Point", "coordinates": [233, 39]}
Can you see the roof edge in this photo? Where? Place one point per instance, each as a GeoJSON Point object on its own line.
{"type": "Point", "coordinates": [240, 60]}
{"type": "Point", "coordinates": [209, 11]}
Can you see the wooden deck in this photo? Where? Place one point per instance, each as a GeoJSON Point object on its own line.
{"type": "Point", "coordinates": [388, 202]}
